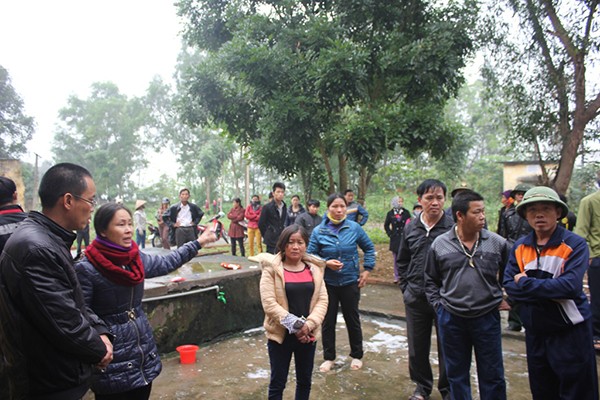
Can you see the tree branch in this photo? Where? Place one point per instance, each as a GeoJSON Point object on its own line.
{"type": "Point", "coordinates": [538, 34]}
{"type": "Point", "coordinates": [560, 30]}
{"type": "Point", "coordinates": [591, 110]}
{"type": "Point", "coordinates": [588, 24]}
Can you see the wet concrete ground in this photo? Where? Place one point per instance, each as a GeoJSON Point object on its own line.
{"type": "Point", "coordinates": [238, 367]}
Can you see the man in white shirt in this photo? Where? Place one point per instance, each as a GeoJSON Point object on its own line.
{"type": "Point", "coordinates": [184, 218]}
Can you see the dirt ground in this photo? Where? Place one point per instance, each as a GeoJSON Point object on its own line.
{"type": "Point", "coordinates": [384, 265]}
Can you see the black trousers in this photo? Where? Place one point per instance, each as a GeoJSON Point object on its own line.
{"type": "Point", "coordinates": [280, 356]}
{"type": "Point", "coordinates": [348, 297]}
{"type": "Point", "coordinates": [184, 234]}
{"type": "Point", "coordinates": [420, 320]}
{"type": "Point", "coordinates": [593, 274]}
{"type": "Point", "coordinates": [240, 241]}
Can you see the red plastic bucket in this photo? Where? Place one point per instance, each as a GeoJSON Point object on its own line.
{"type": "Point", "coordinates": [187, 353]}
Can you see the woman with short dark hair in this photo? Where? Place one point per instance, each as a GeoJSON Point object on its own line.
{"type": "Point", "coordinates": [112, 274]}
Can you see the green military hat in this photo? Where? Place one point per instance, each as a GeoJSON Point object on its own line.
{"type": "Point", "coordinates": [459, 188]}
{"type": "Point", "coordinates": [521, 187]}
{"type": "Point", "coordinates": [541, 194]}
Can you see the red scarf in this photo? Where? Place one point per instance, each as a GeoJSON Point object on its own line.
{"type": "Point", "coordinates": [109, 261]}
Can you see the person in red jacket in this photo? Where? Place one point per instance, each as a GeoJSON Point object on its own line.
{"type": "Point", "coordinates": [236, 231]}
{"type": "Point", "coordinates": [252, 216]}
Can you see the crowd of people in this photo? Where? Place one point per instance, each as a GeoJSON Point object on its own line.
{"type": "Point", "coordinates": [67, 325]}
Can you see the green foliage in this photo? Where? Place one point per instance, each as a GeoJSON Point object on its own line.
{"type": "Point", "coordinates": [16, 128]}
{"type": "Point", "coordinates": [153, 194]}
{"type": "Point", "coordinates": [377, 235]}
{"type": "Point", "coordinates": [299, 81]}
{"type": "Point", "coordinates": [102, 134]}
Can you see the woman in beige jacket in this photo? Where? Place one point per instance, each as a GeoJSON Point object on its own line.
{"type": "Point", "coordinates": [294, 300]}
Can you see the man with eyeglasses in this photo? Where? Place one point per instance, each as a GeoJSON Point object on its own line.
{"type": "Point", "coordinates": [49, 339]}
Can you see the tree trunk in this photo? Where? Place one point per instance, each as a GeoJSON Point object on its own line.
{"type": "Point", "coordinates": [363, 182]}
{"type": "Point", "coordinates": [343, 173]}
{"type": "Point", "coordinates": [545, 179]}
{"type": "Point", "coordinates": [572, 138]}
{"type": "Point", "coordinates": [568, 154]}
{"type": "Point", "coordinates": [330, 180]}
{"type": "Point", "coordinates": [207, 186]}
{"type": "Point", "coordinates": [306, 178]}
{"type": "Point", "coordinates": [235, 172]}
{"type": "Point", "coordinates": [247, 183]}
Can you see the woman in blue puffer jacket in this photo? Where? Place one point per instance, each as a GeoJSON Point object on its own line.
{"type": "Point", "coordinates": [112, 277]}
{"type": "Point", "coordinates": [336, 240]}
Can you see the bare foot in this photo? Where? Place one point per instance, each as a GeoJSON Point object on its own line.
{"type": "Point", "coordinates": [356, 364]}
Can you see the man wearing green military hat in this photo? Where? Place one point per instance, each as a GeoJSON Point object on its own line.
{"type": "Point", "coordinates": [544, 275]}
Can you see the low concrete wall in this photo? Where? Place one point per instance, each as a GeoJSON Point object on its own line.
{"type": "Point", "coordinates": [200, 317]}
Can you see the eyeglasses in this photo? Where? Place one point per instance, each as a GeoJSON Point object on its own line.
{"type": "Point", "coordinates": [92, 202]}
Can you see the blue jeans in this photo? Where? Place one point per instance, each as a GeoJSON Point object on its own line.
{"type": "Point", "coordinates": [459, 337]}
{"type": "Point", "coordinates": [140, 239]}
{"type": "Point", "coordinates": [280, 356]}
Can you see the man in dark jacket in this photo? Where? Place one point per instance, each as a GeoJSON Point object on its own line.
{"type": "Point", "coordinates": [395, 221]}
{"type": "Point", "coordinates": [515, 227]}
{"type": "Point", "coordinates": [272, 218]}
{"type": "Point", "coordinates": [420, 316]}
{"type": "Point", "coordinates": [184, 218]}
{"type": "Point", "coordinates": [11, 214]}
{"type": "Point", "coordinates": [49, 339]}
{"type": "Point", "coordinates": [310, 219]}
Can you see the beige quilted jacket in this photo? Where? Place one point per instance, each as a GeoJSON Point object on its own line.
{"type": "Point", "coordinates": [274, 299]}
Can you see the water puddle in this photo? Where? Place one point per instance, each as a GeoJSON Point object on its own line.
{"type": "Point", "coordinates": [238, 368]}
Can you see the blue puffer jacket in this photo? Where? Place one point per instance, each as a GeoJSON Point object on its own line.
{"type": "Point", "coordinates": [135, 357]}
{"type": "Point", "coordinates": [342, 246]}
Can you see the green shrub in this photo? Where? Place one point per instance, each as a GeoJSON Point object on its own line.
{"type": "Point", "coordinates": [377, 234]}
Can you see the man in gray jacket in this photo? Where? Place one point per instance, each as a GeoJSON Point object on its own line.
{"type": "Point", "coordinates": [462, 285]}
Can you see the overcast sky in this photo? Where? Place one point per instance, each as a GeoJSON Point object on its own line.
{"type": "Point", "coordinates": [53, 49]}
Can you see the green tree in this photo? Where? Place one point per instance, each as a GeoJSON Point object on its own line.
{"type": "Point", "coordinates": [539, 76]}
{"type": "Point", "coordinates": [203, 153]}
{"type": "Point", "coordinates": [16, 128]}
{"type": "Point", "coordinates": [102, 133]}
{"type": "Point", "coordinates": [307, 84]}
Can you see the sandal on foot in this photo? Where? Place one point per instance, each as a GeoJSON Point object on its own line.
{"type": "Point", "coordinates": [597, 344]}
{"type": "Point", "coordinates": [326, 366]}
{"type": "Point", "coordinates": [416, 397]}
{"type": "Point", "coordinates": [356, 364]}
